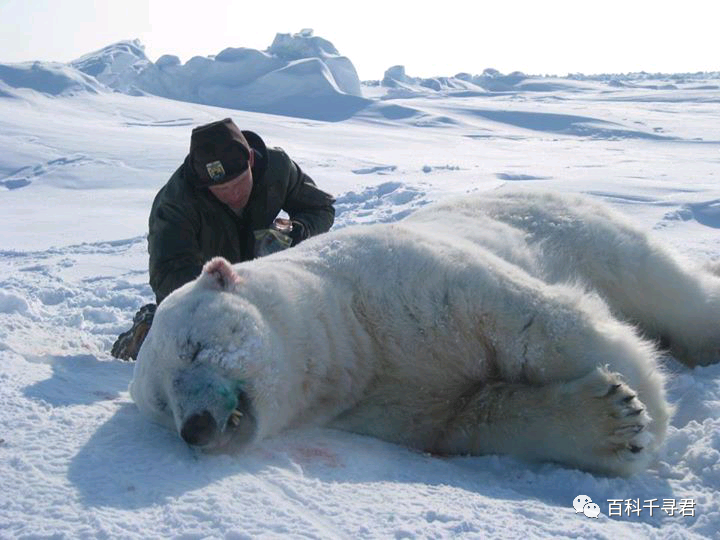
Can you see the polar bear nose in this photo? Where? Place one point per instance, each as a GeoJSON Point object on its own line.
{"type": "Point", "coordinates": [199, 429]}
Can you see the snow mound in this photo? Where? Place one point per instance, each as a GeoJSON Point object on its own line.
{"type": "Point", "coordinates": [305, 45]}
{"type": "Point", "coordinates": [116, 65]}
{"type": "Point", "coordinates": [301, 45]}
{"type": "Point", "coordinates": [705, 213]}
{"type": "Point", "coordinates": [304, 88]}
{"type": "Point", "coordinates": [490, 80]}
{"type": "Point", "coordinates": [494, 81]}
{"type": "Point", "coordinates": [51, 78]}
{"type": "Point", "coordinates": [400, 83]}
{"type": "Point", "coordinates": [299, 75]}
{"type": "Point", "coordinates": [12, 303]}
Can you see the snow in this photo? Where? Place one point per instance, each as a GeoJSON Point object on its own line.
{"type": "Point", "coordinates": [78, 172]}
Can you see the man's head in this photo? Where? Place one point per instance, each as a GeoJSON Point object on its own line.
{"type": "Point", "coordinates": [222, 161]}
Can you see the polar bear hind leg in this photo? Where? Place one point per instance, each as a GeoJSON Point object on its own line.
{"type": "Point", "coordinates": [673, 301]}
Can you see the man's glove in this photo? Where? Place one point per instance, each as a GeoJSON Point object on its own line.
{"type": "Point", "coordinates": [269, 241]}
{"type": "Point", "coordinates": [128, 343]}
{"type": "Point", "coordinates": [298, 232]}
{"type": "Point", "coordinates": [276, 238]}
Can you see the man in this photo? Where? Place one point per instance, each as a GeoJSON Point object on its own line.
{"type": "Point", "coordinates": [224, 200]}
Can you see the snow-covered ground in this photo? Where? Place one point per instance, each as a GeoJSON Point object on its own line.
{"type": "Point", "coordinates": [78, 172]}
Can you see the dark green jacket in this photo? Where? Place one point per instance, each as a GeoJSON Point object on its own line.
{"type": "Point", "coordinates": [189, 226]}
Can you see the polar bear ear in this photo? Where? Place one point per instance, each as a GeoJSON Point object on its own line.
{"type": "Point", "coordinates": [219, 274]}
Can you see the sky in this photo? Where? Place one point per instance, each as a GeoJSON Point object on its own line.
{"type": "Point", "coordinates": [550, 37]}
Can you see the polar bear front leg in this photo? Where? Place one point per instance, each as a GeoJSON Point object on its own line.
{"type": "Point", "coordinates": [595, 423]}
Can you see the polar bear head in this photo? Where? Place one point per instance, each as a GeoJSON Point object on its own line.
{"type": "Point", "coordinates": [203, 360]}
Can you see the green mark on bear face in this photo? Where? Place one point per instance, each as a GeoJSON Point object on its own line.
{"type": "Point", "coordinates": [226, 393]}
{"type": "Point", "coordinates": [230, 394]}
{"type": "Point", "coordinates": [228, 397]}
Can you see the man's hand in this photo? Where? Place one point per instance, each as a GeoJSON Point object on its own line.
{"type": "Point", "coordinates": [276, 238]}
{"type": "Point", "coordinates": [269, 241]}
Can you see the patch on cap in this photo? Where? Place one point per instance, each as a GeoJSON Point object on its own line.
{"type": "Point", "coordinates": [215, 171]}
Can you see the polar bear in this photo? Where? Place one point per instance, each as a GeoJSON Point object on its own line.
{"type": "Point", "coordinates": [518, 323]}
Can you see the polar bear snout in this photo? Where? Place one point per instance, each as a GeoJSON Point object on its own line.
{"type": "Point", "coordinates": [221, 424]}
{"type": "Point", "coordinates": [211, 408]}
{"type": "Point", "coordinates": [199, 429]}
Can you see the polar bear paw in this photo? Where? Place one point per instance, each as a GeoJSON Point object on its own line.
{"type": "Point", "coordinates": [615, 422]}
{"type": "Point", "coordinates": [629, 418]}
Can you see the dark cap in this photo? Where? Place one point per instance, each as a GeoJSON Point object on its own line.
{"type": "Point", "coordinates": [218, 153]}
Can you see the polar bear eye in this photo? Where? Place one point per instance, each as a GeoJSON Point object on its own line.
{"type": "Point", "coordinates": [190, 351]}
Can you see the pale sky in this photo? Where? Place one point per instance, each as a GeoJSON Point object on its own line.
{"type": "Point", "coordinates": [429, 39]}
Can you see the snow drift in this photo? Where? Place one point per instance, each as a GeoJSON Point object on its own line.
{"type": "Point", "coordinates": [298, 75]}
{"type": "Point", "coordinates": [50, 78]}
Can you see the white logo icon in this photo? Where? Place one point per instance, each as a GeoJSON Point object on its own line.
{"type": "Point", "coordinates": [584, 505]}
{"type": "Point", "coordinates": [591, 510]}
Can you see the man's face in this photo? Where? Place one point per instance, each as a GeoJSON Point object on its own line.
{"type": "Point", "coordinates": [236, 192]}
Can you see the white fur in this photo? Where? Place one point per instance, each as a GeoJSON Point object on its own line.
{"type": "Point", "coordinates": [503, 323]}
